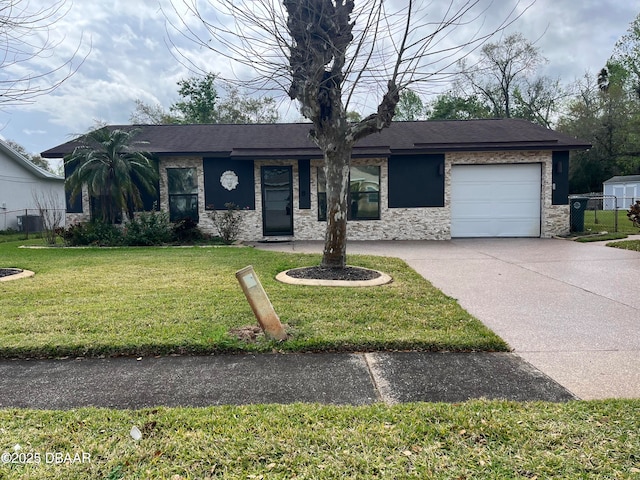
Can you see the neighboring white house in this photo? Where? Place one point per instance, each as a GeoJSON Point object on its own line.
{"type": "Point", "coordinates": [626, 189]}
{"type": "Point", "coordinates": [21, 182]}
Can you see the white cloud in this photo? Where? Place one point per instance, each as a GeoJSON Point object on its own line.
{"type": "Point", "coordinates": [577, 36]}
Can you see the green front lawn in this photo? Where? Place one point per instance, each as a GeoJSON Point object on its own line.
{"type": "Point", "coordinates": [144, 301]}
{"type": "Point", "coordinates": [161, 300]}
{"type": "Point", "coordinates": [473, 440]}
{"type": "Point", "coordinates": [604, 220]}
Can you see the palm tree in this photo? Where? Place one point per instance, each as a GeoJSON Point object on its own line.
{"type": "Point", "coordinates": [112, 171]}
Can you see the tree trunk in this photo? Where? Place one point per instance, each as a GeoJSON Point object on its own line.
{"type": "Point", "coordinates": [336, 169]}
{"type": "Point", "coordinates": [336, 140]}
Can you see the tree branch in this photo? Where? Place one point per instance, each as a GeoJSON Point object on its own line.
{"type": "Point", "coordinates": [25, 39]}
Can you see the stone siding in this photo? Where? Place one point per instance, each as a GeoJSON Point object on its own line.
{"type": "Point", "coordinates": [252, 222]}
{"type": "Point", "coordinates": [556, 221]}
{"type": "Point", "coordinates": [394, 223]}
{"type": "Point", "coordinates": [85, 216]}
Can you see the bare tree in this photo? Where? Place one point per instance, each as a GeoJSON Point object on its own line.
{"type": "Point", "coordinates": [330, 54]}
{"type": "Point", "coordinates": [151, 114]}
{"type": "Point", "coordinates": [24, 38]}
{"type": "Point", "coordinates": [51, 211]}
{"type": "Point", "coordinates": [540, 100]}
{"type": "Point", "coordinates": [502, 68]}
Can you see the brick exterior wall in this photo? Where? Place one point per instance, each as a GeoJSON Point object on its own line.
{"type": "Point", "coordinates": [394, 223]}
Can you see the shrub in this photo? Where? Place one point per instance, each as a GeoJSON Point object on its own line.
{"type": "Point", "coordinates": [187, 230]}
{"type": "Point", "coordinates": [148, 228]}
{"type": "Point", "coordinates": [634, 213]}
{"type": "Point", "coordinates": [95, 232]}
{"type": "Point", "coordinates": [228, 223]}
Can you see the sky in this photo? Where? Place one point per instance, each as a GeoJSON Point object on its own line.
{"type": "Point", "coordinates": [123, 50]}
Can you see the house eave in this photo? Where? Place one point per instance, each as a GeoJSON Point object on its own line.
{"type": "Point", "coordinates": [497, 146]}
{"type": "Point", "coordinates": [27, 165]}
{"type": "Point", "coordinates": [291, 141]}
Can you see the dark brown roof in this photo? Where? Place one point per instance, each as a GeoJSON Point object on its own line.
{"type": "Point", "coordinates": [291, 140]}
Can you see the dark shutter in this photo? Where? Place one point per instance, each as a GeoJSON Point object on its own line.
{"type": "Point", "coordinates": [560, 178]}
{"type": "Point", "coordinates": [416, 181]}
{"type": "Point", "coordinates": [216, 195]}
{"type": "Point", "coordinates": [304, 184]}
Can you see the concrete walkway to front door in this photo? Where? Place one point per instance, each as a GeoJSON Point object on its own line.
{"type": "Point", "coordinates": [572, 310]}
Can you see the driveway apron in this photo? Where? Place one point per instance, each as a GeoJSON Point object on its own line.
{"type": "Point", "coordinates": [572, 310]}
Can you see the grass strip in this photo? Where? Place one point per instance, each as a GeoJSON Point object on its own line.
{"type": "Point", "coordinates": [477, 439]}
{"type": "Point", "coordinates": [153, 301]}
{"type": "Point", "coordinates": [601, 238]}
{"type": "Point", "coordinates": [627, 245]}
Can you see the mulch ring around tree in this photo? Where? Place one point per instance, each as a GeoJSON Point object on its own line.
{"type": "Point", "coordinates": [348, 276]}
{"type": "Point", "coordinates": [324, 273]}
{"type": "Point", "coordinates": [6, 272]}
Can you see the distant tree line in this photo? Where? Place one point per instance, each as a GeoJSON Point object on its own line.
{"type": "Point", "coordinates": [200, 102]}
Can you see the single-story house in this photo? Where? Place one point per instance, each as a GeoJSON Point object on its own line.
{"type": "Point", "coordinates": [414, 180]}
{"type": "Point", "coordinates": [625, 189]}
{"type": "Point", "coordinates": [21, 182]}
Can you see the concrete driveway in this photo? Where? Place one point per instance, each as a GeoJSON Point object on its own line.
{"type": "Point", "coordinates": [572, 310]}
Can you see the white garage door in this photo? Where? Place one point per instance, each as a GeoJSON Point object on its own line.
{"type": "Point", "coordinates": [495, 200]}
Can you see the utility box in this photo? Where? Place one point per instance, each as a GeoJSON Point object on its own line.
{"type": "Point", "coordinates": [29, 223]}
{"type": "Point", "coordinates": [260, 304]}
{"type": "Point", "coordinates": [578, 207]}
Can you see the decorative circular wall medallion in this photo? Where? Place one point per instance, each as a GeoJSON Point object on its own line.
{"type": "Point", "coordinates": [229, 180]}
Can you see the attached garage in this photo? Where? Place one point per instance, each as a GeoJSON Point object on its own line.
{"type": "Point", "coordinates": [499, 200]}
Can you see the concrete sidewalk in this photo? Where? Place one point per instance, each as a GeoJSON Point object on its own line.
{"type": "Point", "coordinates": [570, 309]}
{"type": "Point", "coordinates": [354, 379]}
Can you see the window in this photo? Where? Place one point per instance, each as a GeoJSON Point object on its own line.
{"type": "Point", "coordinates": [102, 207]}
{"type": "Point", "coordinates": [322, 195]}
{"type": "Point", "coordinates": [364, 193]}
{"type": "Point", "coordinates": [183, 194]}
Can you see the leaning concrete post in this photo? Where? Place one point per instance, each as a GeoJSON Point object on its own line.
{"type": "Point", "coordinates": [260, 304]}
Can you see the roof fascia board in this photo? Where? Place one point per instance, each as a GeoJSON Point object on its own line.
{"type": "Point", "coordinates": [25, 163]}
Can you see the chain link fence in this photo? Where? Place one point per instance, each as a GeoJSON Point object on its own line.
{"type": "Point", "coordinates": [31, 220]}
{"type": "Point", "coordinates": [598, 213]}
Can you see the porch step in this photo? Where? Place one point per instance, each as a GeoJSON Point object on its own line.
{"type": "Point", "coordinates": [276, 239]}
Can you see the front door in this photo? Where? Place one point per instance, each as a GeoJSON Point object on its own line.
{"type": "Point", "coordinates": [277, 194]}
